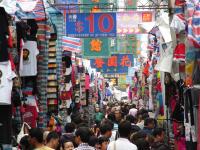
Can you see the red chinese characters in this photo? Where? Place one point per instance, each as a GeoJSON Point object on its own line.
{"type": "Point", "coordinates": [112, 61]}
{"type": "Point", "coordinates": [99, 62]}
{"type": "Point", "coordinates": [125, 61]}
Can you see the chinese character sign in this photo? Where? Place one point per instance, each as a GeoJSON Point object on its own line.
{"type": "Point", "coordinates": [128, 22]}
{"type": "Point", "coordinates": [91, 25]}
{"type": "Point", "coordinates": [117, 63]}
{"type": "Point", "coordinates": [96, 47]}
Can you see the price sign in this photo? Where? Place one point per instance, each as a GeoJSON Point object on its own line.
{"type": "Point", "coordinates": [84, 25]}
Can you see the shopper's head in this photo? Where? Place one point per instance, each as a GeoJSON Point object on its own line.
{"type": "Point", "coordinates": [52, 140]}
{"type": "Point", "coordinates": [118, 115]}
{"type": "Point", "coordinates": [67, 145]}
{"type": "Point", "coordinates": [159, 134]}
{"type": "Point", "coordinates": [35, 136]}
{"type": "Point", "coordinates": [70, 127]}
{"type": "Point", "coordinates": [82, 135]}
{"type": "Point", "coordinates": [24, 143]}
{"type": "Point", "coordinates": [106, 128]}
{"type": "Point", "coordinates": [131, 119]}
{"type": "Point", "coordinates": [149, 123]}
{"type": "Point", "coordinates": [94, 142]}
{"type": "Point", "coordinates": [103, 142]}
{"type": "Point", "coordinates": [124, 129]}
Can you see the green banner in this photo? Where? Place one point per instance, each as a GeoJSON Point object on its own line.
{"type": "Point", "coordinates": [96, 47]}
{"type": "Point", "coordinates": [131, 4]}
{"type": "Point", "coordinates": [98, 5]}
{"type": "Point", "coordinates": [128, 44]}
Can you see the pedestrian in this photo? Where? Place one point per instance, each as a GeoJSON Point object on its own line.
{"type": "Point", "coordinates": [123, 143]}
{"type": "Point", "coordinates": [98, 115]}
{"type": "Point", "coordinates": [103, 143]}
{"type": "Point", "coordinates": [69, 133]}
{"type": "Point", "coordinates": [52, 140]}
{"type": "Point", "coordinates": [24, 143]}
{"type": "Point", "coordinates": [106, 128]}
{"type": "Point", "coordinates": [133, 111]}
{"type": "Point", "coordinates": [149, 125]}
{"type": "Point", "coordinates": [36, 139]}
{"type": "Point", "coordinates": [159, 144]}
{"type": "Point", "coordinates": [82, 137]}
{"type": "Point", "coordinates": [133, 121]}
{"type": "Point", "coordinates": [67, 145]}
{"type": "Point", "coordinates": [140, 139]}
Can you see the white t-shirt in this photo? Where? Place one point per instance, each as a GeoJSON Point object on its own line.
{"type": "Point", "coordinates": [6, 82]}
{"type": "Point", "coordinates": [122, 144]}
{"type": "Point", "coordinates": [28, 63]}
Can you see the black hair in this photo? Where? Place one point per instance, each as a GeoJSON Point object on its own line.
{"type": "Point", "coordinates": [84, 133]}
{"type": "Point", "coordinates": [142, 144]}
{"type": "Point", "coordinates": [93, 141]}
{"type": "Point", "coordinates": [69, 127]}
{"type": "Point", "coordinates": [24, 142]}
{"type": "Point", "coordinates": [124, 129]}
{"type": "Point", "coordinates": [138, 135]}
{"type": "Point", "coordinates": [133, 106]}
{"type": "Point", "coordinates": [52, 135]}
{"type": "Point", "coordinates": [111, 117]}
{"type": "Point", "coordinates": [65, 141]}
{"type": "Point", "coordinates": [104, 127]}
{"type": "Point", "coordinates": [157, 131]}
{"type": "Point", "coordinates": [131, 118]}
{"type": "Point", "coordinates": [103, 139]}
{"type": "Point", "coordinates": [148, 121]}
{"type": "Point", "coordinates": [36, 133]}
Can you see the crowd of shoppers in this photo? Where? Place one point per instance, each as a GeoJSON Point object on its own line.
{"type": "Point", "coordinates": [118, 126]}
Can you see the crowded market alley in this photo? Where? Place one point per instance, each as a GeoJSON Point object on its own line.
{"type": "Point", "coordinates": [99, 74]}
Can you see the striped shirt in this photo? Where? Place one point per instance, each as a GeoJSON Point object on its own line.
{"type": "Point", "coordinates": [84, 146]}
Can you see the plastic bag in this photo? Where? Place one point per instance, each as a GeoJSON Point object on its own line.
{"type": "Point", "coordinates": [22, 132]}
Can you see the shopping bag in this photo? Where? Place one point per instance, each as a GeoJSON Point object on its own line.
{"type": "Point", "coordinates": [22, 132]}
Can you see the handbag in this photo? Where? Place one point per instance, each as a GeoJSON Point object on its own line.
{"type": "Point", "coordinates": [22, 132]}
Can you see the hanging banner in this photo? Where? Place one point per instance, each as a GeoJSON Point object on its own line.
{"type": "Point", "coordinates": [112, 80]}
{"type": "Point", "coordinates": [122, 79]}
{"type": "Point", "coordinates": [129, 22]}
{"type": "Point", "coordinates": [71, 7]}
{"type": "Point", "coordinates": [86, 25]}
{"type": "Point", "coordinates": [97, 5]}
{"type": "Point", "coordinates": [117, 63]}
{"type": "Point", "coordinates": [128, 44]}
{"type": "Point", "coordinates": [96, 47]}
{"type": "Point", "coordinates": [130, 4]}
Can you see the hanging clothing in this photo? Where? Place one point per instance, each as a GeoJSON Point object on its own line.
{"type": "Point", "coordinates": [189, 122]}
{"type": "Point", "coordinates": [5, 124]}
{"type": "Point", "coordinates": [4, 32]}
{"type": "Point", "coordinates": [198, 127]}
{"type": "Point", "coordinates": [29, 57]}
{"type": "Point", "coordinates": [6, 82]}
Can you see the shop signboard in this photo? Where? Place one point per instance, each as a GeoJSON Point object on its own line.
{"type": "Point", "coordinates": [96, 47]}
{"type": "Point", "coordinates": [91, 25]}
{"type": "Point", "coordinates": [112, 80]}
{"type": "Point", "coordinates": [129, 22]}
{"type": "Point", "coordinates": [127, 44]}
{"type": "Point", "coordinates": [116, 63]}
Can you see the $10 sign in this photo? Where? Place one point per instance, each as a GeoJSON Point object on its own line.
{"type": "Point", "coordinates": [84, 25]}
